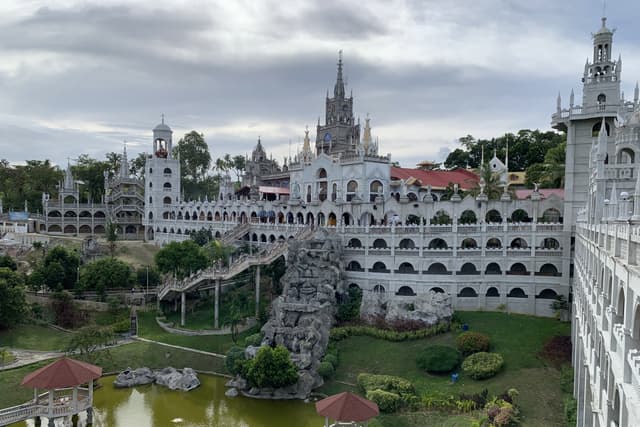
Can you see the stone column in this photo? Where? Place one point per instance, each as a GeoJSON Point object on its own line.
{"type": "Point", "coordinates": [216, 305]}
{"type": "Point", "coordinates": [183, 307]}
{"type": "Point", "coordinates": [257, 292]}
{"type": "Point", "coordinates": [89, 415]}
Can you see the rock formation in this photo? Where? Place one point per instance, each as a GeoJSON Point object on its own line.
{"type": "Point", "coordinates": [302, 316]}
{"type": "Point", "coordinates": [169, 377]}
{"type": "Point", "coordinates": [429, 308]}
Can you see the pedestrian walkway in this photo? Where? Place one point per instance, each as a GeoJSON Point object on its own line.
{"type": "Point", "coordinates": [179, 347]}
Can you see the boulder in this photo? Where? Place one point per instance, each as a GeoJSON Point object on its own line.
{"type": "Point", "coordinates": [232, 392]}
{"type": "Point", "coordinates": [132, 378]}
{"type": "Point", "coordinates": [175, 380]}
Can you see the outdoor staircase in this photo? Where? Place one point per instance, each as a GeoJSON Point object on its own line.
{"type": "Point", "coordinates": [235, 233]}
{"type": "Point", "coordinates": [202, 277]}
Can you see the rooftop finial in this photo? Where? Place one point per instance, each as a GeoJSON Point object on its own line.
{"type": "Point", "coordinates": [162, 118]}
{"type": "Point", "coordinates": [338, 90]}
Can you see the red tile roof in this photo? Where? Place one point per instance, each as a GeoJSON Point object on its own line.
{"type": "Point", "coordinates": [438, 179]}
{"type": "Point", "coordinates": [62, 373]}
{"type": "Point", "coordinates": [347, 407]}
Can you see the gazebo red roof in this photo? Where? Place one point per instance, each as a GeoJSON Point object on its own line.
{"type": "Point", "coordinates": [347, 407]}
{"type": "Point", "coordinates": [62, 373]}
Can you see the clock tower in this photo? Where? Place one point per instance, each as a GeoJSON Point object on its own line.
{"type": "Point", "coordinates": [340, 133]}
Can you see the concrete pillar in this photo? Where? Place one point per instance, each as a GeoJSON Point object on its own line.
{"type": "Point", "coordinates": [89, 415]}
{"type": "Point", "coordinates": [216, 305]}
{"type": "Point", "coordinates": [183, 307]}
{"type": "Point", "coordinates": [52, 422]}
{"type": "Point", "coordinates": [257, 291]}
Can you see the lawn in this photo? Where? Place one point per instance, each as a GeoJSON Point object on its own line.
{"type": "Point", "coordinates": [148, 328]}
{"type": "Point", "coordinates": [518, 338]}
{"type": "Point", "coordinates": [130, 355]}
{"type": "Point", "coordinates": [34, 337]}
{"type": "Point", "coordinates": [138, 254]}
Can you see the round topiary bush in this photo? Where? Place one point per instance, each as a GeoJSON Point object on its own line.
{"type": "Point", "coordinates": [472, 342]}
{"type": "Point", "coordinates": [438, 359]}
{"type": "Point", "coordinates": [254, 340]}
{"type": "Point", "coordinates": [326, 370]}
{"type": "Point", "coordinates": [331, 358]}
{"type": "Point", "coordinates": [482, 365]}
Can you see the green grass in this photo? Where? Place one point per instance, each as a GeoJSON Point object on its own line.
{"type": "Point", "coordinates": [148, 328]}
{"type": "Point", "coordinates": [34, 337]}
{"type": "Point", "coordinates": [518, 338]}
{"type": "Point", "coordinates": [421, 419]}
{"type": "Point", "coordinates": [136, 253]}
{"type": "Point", "coordinates": [130, 355]}
{"type": "Point", "coordinates": [6, 357]}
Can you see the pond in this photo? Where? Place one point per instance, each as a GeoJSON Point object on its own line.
{"type": "Point", "coordinates": [151, 405]}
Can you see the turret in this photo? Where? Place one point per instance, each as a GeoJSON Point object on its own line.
{"type": "Point", "coordinates": [162, 140]}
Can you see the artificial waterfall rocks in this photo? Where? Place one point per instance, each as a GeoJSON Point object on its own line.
{"type": "Point", "coordinates": [428, 309]}
{"type": "Point", "coordinates": [303, 315]}
{"type": "Point", "coordinates": [171, 378]}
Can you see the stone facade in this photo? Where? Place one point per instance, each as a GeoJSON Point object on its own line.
{"type": "Point", "coordinates": [602, 216]}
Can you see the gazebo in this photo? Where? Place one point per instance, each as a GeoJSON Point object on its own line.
{"type": "Point", "coordinates": [64, 397]}
{"type": "Point", "coordinates": [346, 409]}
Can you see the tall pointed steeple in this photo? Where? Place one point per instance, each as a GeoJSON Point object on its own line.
{"type": "Point", "coordinates": [366, 137]}
{"type": "Point", "coordinates": [124, 164]}
{"type": "Point", "coordinates": [338, 90]}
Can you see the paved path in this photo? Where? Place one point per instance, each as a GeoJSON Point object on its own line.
{"type": "Point", "coordinates": [179, 347]}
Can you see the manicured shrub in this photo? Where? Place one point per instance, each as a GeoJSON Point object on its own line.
{"type": "Point", "coordinates": [472, 342]}
{"type": "Point", "coordinates": [482, 365]}
{"type": "Point", "coordinates": [438, 359]}
{"type": "Point", "coordinates": [557, 350]}
{"type": "Point", "coordinates": [385, 382]}
{"type": "Point", "coordinates": [272, 367]}
{"type": "Point", "coordinates": [235, 361]}
{"type": "Point", "coordinates": [326, 370]}
{"type": "Point", "coordinates": [340, 333]}
{"type": "Point", "coordinates": [331, 358]}
{"type": "Point", "coordinates": [386, 401]}
{"type": "Point", "coordinates": [254, 340]}
{"type": "Point", "coordinates": [121, 326]}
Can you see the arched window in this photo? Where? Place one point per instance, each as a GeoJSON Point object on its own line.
{"type": "Point", "coordinates": [468, 269]}
{"type": "Point", "coordinates": [441, 218]}
{"type": "Point", "coordinates": [438, 244]}
{"type": "Point", "coordinates": [520, 215]}
{"type": "Point", "coordinates": [547, 294]}
{"type": "Point", "coordinates": [468, 243]}
{"type": "Point", "coordinates": [413, 220]}
{"type": "Point", "coordinates": [518, 243]}
{"type": "Point", "coordinates": [518, 269]}
{"type": "Point", "coordinates": [492, 292]}
{"type": "Point", "coordinates": [375, 189]}
{"type": "Point", "coordinates": [517, 293]}
{"type": "Point", "coordinates": [407, 244]}
{"type": "Point", "coordinates": [468, 217]}
{"type": "Point", "coordinates": [166, 200]}
{"type": "Point", "coordinates": [379, 267]}
{"type": "Point", "coordinates": [150, 215]}
{"type": "Point", "coordinates": [550, 243]}
{"type": "Point", "coordinates": [626, 156]}
{"type": "Point", "coordinates": [405, 291]}
{"type": "Point", "coordinates": [380, 243]}
{"type": "Point", "coordinates": [167, 171]}
{"type": "Point", "coordinates": [493, 216]}
{"type": "Point", "coordinates": [494, 243]}
{"type": "Point", "coordinates": [551, 215]}
{"type": "Point", "coordinates": [167, 185]}
{"type": "Point", "coordinates": [352, 188]}
{"type": "Point", "coordinates": [437, 290]}
{"type": "Point", "coordinates": [354, 266]}
{"type": "Point", "coordinates": [354, 243]}
{"type": "Point", "coordinates": [548, 270]}
{"type": "Point", "coordinates": [322, 173]}
{"type": "Point", "coordinates": [602, 101]}
{"type": "Point", "coordinates": [467, 292]}
{"type": "Point", "coordinates": [493, 268]}
{"type": "Point", "coordinates": [437, 268]}
{"type": "Point", "coordinates": [406, 268]}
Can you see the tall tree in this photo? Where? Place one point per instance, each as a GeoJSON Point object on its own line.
{"type": "Point", "coordinates": [91, 173]}
{"type": "Point", "coordinates": [181, 258]}
{"type": "Point", "coordinates": [195, 159]}
{"type": "Point", "coordinates": [13, 304]}
{"type": "Point", "coordinates": [136, 166]}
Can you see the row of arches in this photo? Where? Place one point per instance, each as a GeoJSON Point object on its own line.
{"type": "Point", "coordinates": [72, 214]}
{"type": "Point", "coordinates": [87, 229]}
{"type": "Point", "coordinates": [467, 243]}
{"type": "Point", "coordinates": [467, 268]}
{"type": "Point", "coordinates": [470, 292]}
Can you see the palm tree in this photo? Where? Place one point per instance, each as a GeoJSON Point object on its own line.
{"type": "Point", "coordinates": [493, 187]}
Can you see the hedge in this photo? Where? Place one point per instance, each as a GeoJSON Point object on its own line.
{"type": "Point", "coordinates": [385, 382]}
{"type": "Point", "coordinates": [472, 342]}
{"type": "Point", "coordinates": [482, 365]}
{"type": "Point", "coordinates": [438, 359]}
{"type": "Point", "coordinates": [386, 401]}
{"type": "Point", "coordinates": [342, 332]}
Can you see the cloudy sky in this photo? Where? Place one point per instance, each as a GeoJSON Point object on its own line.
{"type": "Point", "coordinates": [83, 76]}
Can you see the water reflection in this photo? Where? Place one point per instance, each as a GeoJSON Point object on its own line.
{"type": "Point", "coordinates": [153, 406]}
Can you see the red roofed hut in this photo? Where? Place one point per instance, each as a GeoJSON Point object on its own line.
{"type": "Point", "coordinates": [64, 397]}
{"type": "Point", "coordinates": [347, 409]}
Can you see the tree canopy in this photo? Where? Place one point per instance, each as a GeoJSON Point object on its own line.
{"type": "Point", "coordinates": [181, 258]}
{"type": "Point", "coordinates": [59, 268]}
{"type": "Point", "coordinates": [27, 182]}
{"type": "Point", "coordinates": [272, 367]}
{"type": "Point", "coordinates": [104, 274]}
{"type": "Point", "coordinates": [195, 159]}
{"type": "Point", "coordinates": [13, 304]}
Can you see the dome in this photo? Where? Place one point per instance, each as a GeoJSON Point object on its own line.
{"type": "Point", "coordinates": [162, 127]}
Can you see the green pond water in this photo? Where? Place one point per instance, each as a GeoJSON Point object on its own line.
{"type": "Point", "coordinates": [154, 406]}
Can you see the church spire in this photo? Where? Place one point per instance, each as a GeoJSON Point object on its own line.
{"type": "Point", "coordinates": [366, 138]}
{"type": "Point", "coordinates": [124, 163]}
{"type": "Point", "coordinates": [338, 90]}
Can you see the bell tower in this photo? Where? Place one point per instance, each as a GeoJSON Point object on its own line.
{"type": "Point", "coordinates": [602, 76]}
{"type": "Point", "coordinates": [340, 133]}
